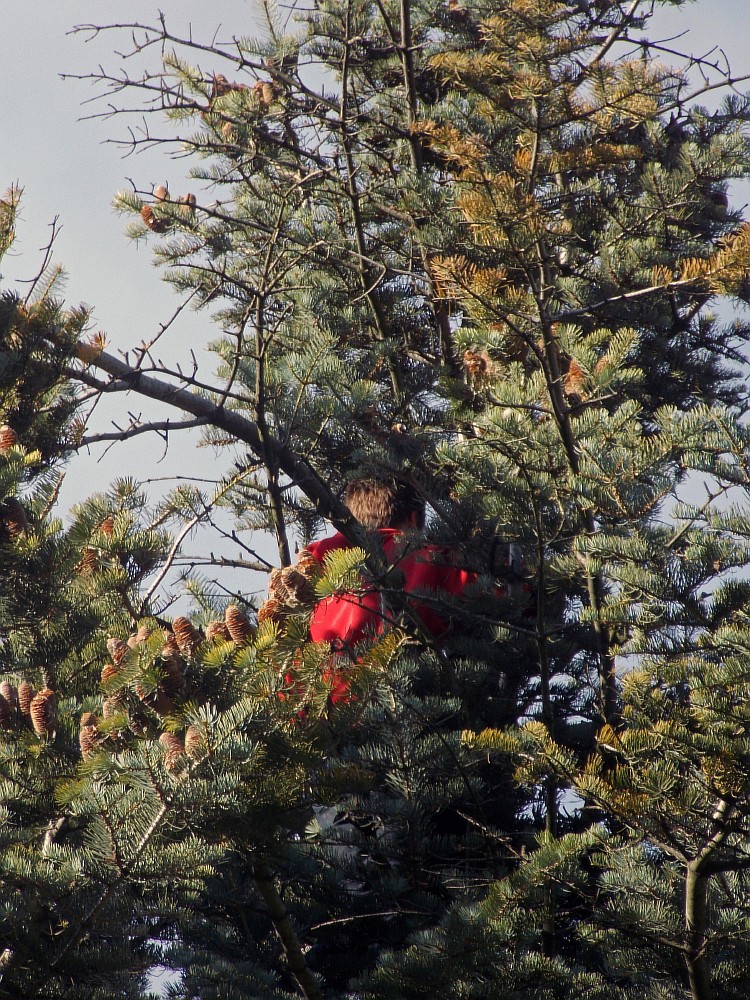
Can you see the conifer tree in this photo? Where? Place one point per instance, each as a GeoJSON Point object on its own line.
{"type": "Point", "coordinates": [474, 247]}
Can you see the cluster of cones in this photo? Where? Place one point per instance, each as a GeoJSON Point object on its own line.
{"type": "Point", "coordinates": [22, 706]}
{"type": "Point", "coordinates": [13, 519]}
{"type": "Point", "coordinates": [159, 224]}
{"type": "Point", "coordinates": [290, 589]}
{"type": "Point", "coordinates": [179, 645]}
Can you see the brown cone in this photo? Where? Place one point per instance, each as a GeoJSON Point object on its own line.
{"type": "Point", "coordinates": [107, 526]}
{"type": "Point", "coordinates": [271, 610]}
{"type": "Point", "coordinates": [140, 636]}
{"type": "Point", "coordinates": [14, 517]}
{"type": "Point", "coordinates": [188, 637]}
{"type": "Point", "coordinates": [88, 735]}
{"type": "Point", "coordinates": [25, 695]}
{"type": "Point", "coordinates": [156, 700]}
{"type": "Point", "coordinates": [238, 626]}
{"type": "Point", "coordinates": [217, 632]}
{"type": "Point", "coordinates": [174, 750]}
{"type": "Point", "coordinates": [109, 670]}
{"type": "Point", "coordinates": [43, 711]}
{"type": "Point", "coordinates": [8, 438]}
{"type": "Point", "coordinates": [195, 745]}
{"type": "Point", "coordinates": [118, 650]}
{"type": "Point", "coordinates": [10, 693]}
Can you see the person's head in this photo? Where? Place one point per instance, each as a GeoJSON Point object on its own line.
{"type": "Point", "coordinates": [379, 504]}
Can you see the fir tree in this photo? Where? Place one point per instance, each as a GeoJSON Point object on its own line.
{"type": "Point", "coordinates": [475, 248]}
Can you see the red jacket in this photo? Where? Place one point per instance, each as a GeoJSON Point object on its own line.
{"type": "Point", "coordinates": [346, 619]}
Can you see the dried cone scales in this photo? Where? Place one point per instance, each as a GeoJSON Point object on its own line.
{"type": "Point", "coordinates": [25, 695]}
{"type": "Point", "coordinates": [239, 627]}
{"type": "Point", "coordinates": [290, 587]}
{"type": "Point", "coordinates": [8, 438]}
{"type": "Point", "coordinates": [174, 749]}
{"type": "Point", "coordinates": [43, 712]}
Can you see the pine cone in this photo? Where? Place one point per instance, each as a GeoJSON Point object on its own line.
{"type": "Point", "coordinates": [10, 693]}
{"type": "Point", "coordinates": [89, 561]}
{"type": "Point", "coordinates": [25, 696]}
{"type": "Point", "coordinates": [195, 745]}
{"type": "Point", "coordinates": [217, 632]}
{"type": "Point", "coordinates": [8, 438]}
{"type": "Point", "coordinates": [478, 367]}
{"type": "Point", "coordinates": [6, 714]}
{"type": "Point", "coordinates": [188, 202]}
{"type": "Point", "coordinates": [238, 626]}
{"type": "Point", "coordinates": [14, 517]}
{"type": "Point", "coordinates": [290, 587]}
{"type": "Point", "coordinates": [271, 610]}
{"type": "Point", "coordinates": [575, 379]}
{"type": "Point", "coordinates": [111, 706]}
{"type": "Point", "coordinates": [118, 650]}
{"type": "Point", "coordinates": [109, 670]}
{"type": "Point", "coordinates": [266, 92]}
{"type": "Point", "coordinates": [170, 647]}
{"type": "Point", "coordinates": [88, 735]}
{"type": "Point", "coordinates": [43, 711]}
{"type": "Point", "coordinates": [174, 751]}
{"type": "Point", "coordinates": [140, 636]}
{"type": "Point", "coordinates": [107, 526]}
{"type": "Point", "coordinates": [307, 565]}
{"type": "Point", "coordinates": [154, 224]}
{"type": "Point", "coordinates": [161, 192]}
{"type": "Point", "coordinates": [187, 636]}
{"type": "Point", "coordinates": [174, 679]}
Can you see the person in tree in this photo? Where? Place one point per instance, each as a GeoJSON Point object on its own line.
{"type": "Point", "coordinates": [427, 574]}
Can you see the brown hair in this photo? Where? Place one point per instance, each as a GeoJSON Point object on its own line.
{"type": "Point", "coordinates": [378, 504]}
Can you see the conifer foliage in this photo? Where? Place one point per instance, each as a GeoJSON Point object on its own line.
{"type": "Point", "coordinates": [475, 247]}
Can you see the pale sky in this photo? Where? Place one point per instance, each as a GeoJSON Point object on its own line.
{"type": "Point", "coordinates": [67, 169]}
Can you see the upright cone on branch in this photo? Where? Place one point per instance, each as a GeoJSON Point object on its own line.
{"type": "Point", "coordinates": [174, 750]}
{"type": "Point", "coordinates": [156, 700]}
{"type": "Point", "coordinates": [109, 670]}
{"type": "Point", "coordinates": [43, 712]}
{"type": "Point", "coordinates": [238, 625]}
{"type": "Point", "coordinates": [88, 735]}
{"type": "Point", "coordinates": [195, 745]}
{"type": "Point", "coordinates": [188, 637]}
{"type": "Point", "coordinates": [25, 695]}
{"type": "Point", "coordinates": [13, 517]}
{"type": "Point", "coordinates": [107, 526]}
{"type": "Point", "coordinates": [271, 610]}
{"type": "Point", "coordinates": [8, 438]}
{"type": "Point", "coordinates": [10, 693]}
{"type": "Point", "coordinates": [118, 650]}
{"type": "Point", "coordinates": [217, 632]}
{"type": "Point", "coordinates": [144, 631]}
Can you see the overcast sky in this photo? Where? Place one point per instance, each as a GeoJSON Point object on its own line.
{"type": "Point", "coordinates": [68, 169]}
